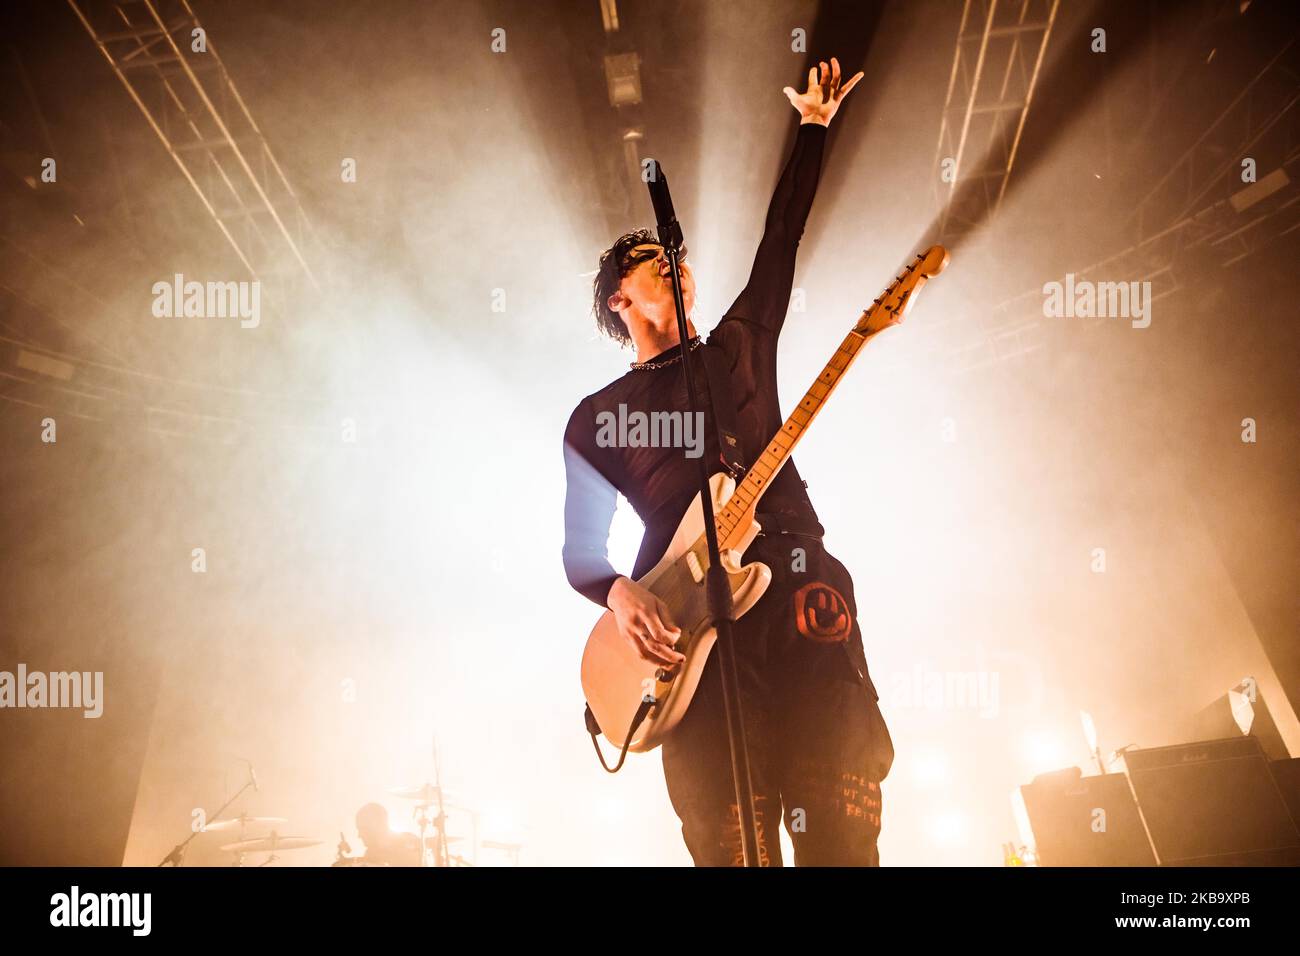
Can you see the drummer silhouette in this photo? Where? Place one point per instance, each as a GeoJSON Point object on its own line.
{"type": "Point", "coordinates": [385, 846]}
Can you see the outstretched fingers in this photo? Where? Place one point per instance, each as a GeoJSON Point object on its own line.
{"type": "Point", "coordinates": [826, 87]}
{"type": "Point", "coordinates": [850, 84]}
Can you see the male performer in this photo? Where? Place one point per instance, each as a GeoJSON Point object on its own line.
{"type": "Point", "coordinates": [818, 745]}
{"type": "Point", "coordinates": [385, 846]}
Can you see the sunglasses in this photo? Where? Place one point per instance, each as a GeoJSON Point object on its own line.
{"type": "Point", "coordinates": [638, 256]}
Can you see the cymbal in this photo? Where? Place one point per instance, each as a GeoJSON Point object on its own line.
{"type": "Point", "coordinates": [424, 793]}
{"type": "Point", "coordinates": [274, 843]}
{"type": "Point", "coordinates": [432, 809]}
{"type": "Point", "coordinates": [242, 820]}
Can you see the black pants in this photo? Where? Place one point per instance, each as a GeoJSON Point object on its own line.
{"type": "Point", "coordinates": [817, 742]}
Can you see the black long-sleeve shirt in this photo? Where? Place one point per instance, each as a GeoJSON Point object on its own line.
{"type": "Point", "coordinates": [660, 482]}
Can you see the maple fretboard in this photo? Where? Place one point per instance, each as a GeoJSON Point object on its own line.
{"type": "Point", "coordinates": [734, 517]}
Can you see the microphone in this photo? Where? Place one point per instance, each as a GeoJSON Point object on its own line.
{"type": "Point", "coordinates": [343, 843]}
{"type": "Point", "coordinates": [670, 230]}
{"type": "Point", "coordinates": [252, 776]}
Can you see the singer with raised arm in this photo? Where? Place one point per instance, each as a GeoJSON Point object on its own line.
{"type": "Point", "coordinates": [818, 746]}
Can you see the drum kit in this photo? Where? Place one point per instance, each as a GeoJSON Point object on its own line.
{"type": "Point", "coordinates": [429, 845]}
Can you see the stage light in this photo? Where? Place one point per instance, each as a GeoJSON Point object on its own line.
{"type": "Point", "coordinates": [623, 77]}
{"type": "Point", "coordinates": [946, 828]}
{"type": "Point", "coordinates": [1044, 749]}
{"type": "Point", "coordinates": [930, 767]}
{"type": "Point", "coordinates": [1243, 708]}
{"type": "Point", "coordinates": [1257, 192]}
{"type": "Point", "coordinates": [1089, 729]}
{"type": "Point", "coordinates": [609, 15]}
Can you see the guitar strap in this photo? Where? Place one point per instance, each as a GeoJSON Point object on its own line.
{"type": "Point", "coordinates": [731, 451]}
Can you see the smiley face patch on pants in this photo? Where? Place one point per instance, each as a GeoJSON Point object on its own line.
{"type": "Point", "coordinates": [821, 613]}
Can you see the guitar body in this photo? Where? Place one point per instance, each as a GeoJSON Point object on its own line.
{"type": "Point", "coordinates": [614, 676]}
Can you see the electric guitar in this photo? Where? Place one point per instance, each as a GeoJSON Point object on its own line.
{"type": "Point", "coordinates": [616, 680]}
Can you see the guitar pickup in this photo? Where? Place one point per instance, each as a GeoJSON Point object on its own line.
{"type": "Point", "coordinates": [696, 569]}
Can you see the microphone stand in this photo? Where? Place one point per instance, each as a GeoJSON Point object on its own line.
{"type": "Point", "coordinates": [177, 856]}
{"type": "Point", "coordinates": [721, 609]}
{"type": "Point", "coordinates": [443, 859]}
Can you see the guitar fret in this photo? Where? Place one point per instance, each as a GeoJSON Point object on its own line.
{"type": "Point", "coordinates": [737, 512]}
{"type": "Point", "coordinates": [744, 499]}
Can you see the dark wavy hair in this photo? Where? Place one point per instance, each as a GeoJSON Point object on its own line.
{"type": "Point", "coordinates": [608, 276]}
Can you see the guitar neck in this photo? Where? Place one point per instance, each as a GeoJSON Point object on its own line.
{"type": "Point", "coordinates": [735, 516]}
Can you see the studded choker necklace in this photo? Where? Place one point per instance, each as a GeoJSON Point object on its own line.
{"type": "Point", "coordinates": [641, 366]}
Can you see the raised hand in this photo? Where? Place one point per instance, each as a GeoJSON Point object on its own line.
{"type": "Point", "coordinates": [824, 94]}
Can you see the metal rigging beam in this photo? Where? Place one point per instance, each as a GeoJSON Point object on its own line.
{"type": "Point", "coordinates": [995, 68]}
{"type": "Point", "coordinates": [192, 105]}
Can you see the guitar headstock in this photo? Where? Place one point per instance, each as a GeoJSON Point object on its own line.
{"type": "Point", "coordinates": [895, 301]}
